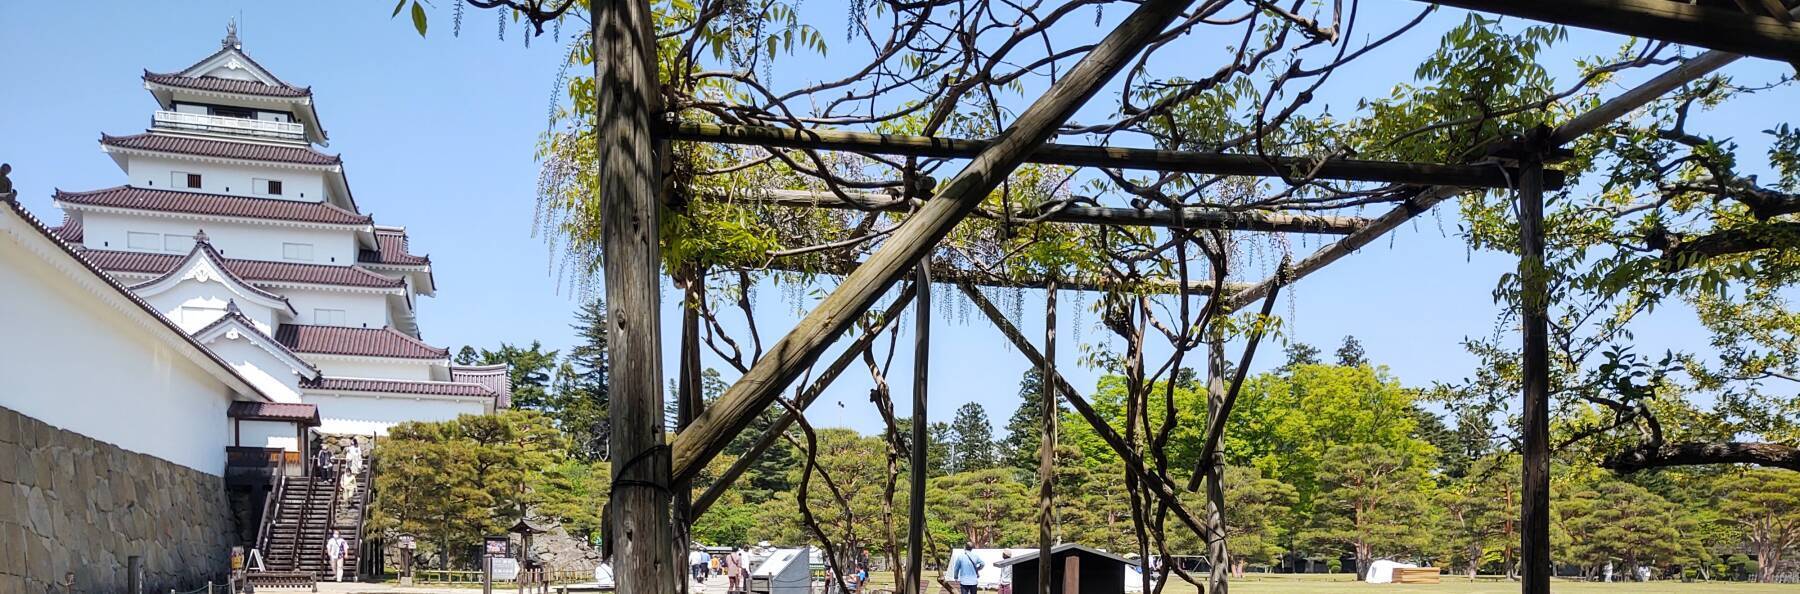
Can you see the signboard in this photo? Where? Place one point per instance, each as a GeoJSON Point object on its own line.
{"type": "Point", "coordinates": [237, 558]}
{"type": "Point", "coordinates": [407, 543]}
{"type": "Point", "coordinates": [496, 546]}
{"type": "Point", "coordinates": [505, 568]}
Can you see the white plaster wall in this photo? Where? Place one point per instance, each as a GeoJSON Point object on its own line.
{"type": "Point", "coordinates": [268, 434]}
{"type": "Point", "coordinates": [69, 359]}
{"type": "Point", "coordinates": [405, 369]}
{"type": "Point", "coordinates": [296, 184]}
{"type": "Point", "coordinates": [263, 370]}
{"type": "Point", "coordinates": [366, 414]}
{"type": "Point", "coordinates": [361, 310]}
{"type": "Point", "coordinates": [107, 231]}
{"type": "Point", "coordinates": [193, 304]}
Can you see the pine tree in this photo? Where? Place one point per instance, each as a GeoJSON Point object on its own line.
{"type": "Point", "coordinates": [583, 403]}
{"type": "Point", "coordinates": [529, 371]}
{"type": "Point", "coordinates": [973, 437]}
{"type": "Point", "coordinates": [1024, 430]}
{"type": "Point", "coordinates": [1351, 353]}
{"type": "Point", "coordinates": [1300, 353]}
{"type": "Point", "coordinates": [939, 449]}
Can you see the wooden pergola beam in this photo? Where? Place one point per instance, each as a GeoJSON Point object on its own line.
{"type": "Point", "coordinates": [1050, 153]}
{"type": "Point", "coordinates": [1667, 20]}
{"type": "Point", "coordinates": [946, 274]}
{"type": "Point", "coordinates": [915, 239]}
{"type": "Point", "coordinates": [1194, 218]}
{"type": "Point", "coordinates": [1686, 72]}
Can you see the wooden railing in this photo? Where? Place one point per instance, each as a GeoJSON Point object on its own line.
{"type": "Point", "coordinates": [271, 506]}
{"type": "Point", "coordinates": [533, 576]}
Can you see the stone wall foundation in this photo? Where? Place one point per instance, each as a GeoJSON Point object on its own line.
{"type": "Point", "coordinates": [69, 503]}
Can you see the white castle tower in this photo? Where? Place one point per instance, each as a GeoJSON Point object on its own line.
{"type": "Point", "coordinates": [231, 224]}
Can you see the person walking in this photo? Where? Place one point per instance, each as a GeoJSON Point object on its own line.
{"type": "Point", "coordinates": [734, 570]}
{"type": "Point", "coordinates": [1006, 574]}
{"type": "Point", "coordinates": [324, 462]}
{"type": "Point", "coordinates": [965, 568]}
{"type": "Point", "coordinates": [335, 550]}
{"type": "Point", "coordinates": [353, 459]}
{"type": "Point", "coordinates": [697, 565]}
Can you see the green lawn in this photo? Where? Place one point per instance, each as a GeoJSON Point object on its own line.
{"type": "Point", "coordinates": [1297, 584]}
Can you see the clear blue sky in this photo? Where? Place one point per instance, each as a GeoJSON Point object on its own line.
{"type": "Point", "coordinates": [438, 134]}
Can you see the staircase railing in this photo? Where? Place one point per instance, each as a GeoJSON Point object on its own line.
{"type": "Point", "coordinates": [362, 510]}
{"type": "Point", "coordinates": [271, 507]}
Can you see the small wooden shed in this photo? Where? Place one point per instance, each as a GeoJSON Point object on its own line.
{"type": "Point", "coordinates": [1075, 569]}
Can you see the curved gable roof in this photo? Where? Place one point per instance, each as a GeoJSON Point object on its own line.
{"type": "Point", "coordinates": [246, 328]}
{"type": "Point", "coordinates": [364, 342]}
{"type": "Point", "coordinates": [216, 264]}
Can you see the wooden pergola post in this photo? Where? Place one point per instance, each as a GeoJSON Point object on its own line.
{"type": "Point", "coordinates": [915, 490]}
{"type": "Point", "coordinates": [1047, 446]}
{"type": "Point", "coordinates": [626, 99]}
{"type": "Point", "coordinates": [1212, 466]}
{"type": "Point", "coordinates": [1534, 300]}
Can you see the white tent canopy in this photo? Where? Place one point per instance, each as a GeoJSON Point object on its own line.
{"type": "Point", "coordinates": [1382, 572]}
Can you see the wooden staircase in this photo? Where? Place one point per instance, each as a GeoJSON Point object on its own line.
{"type": "Point", "coordinates": [303, 513]}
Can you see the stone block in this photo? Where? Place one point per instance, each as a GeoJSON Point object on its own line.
{"type": "Point", "coordinates": [12, 552]}
{"type": "Point", "coordinates": [37, 557]}
{"type": "Point", "coordinates": [38, 508]}
{"type": "Point", "coordinates": [24, 465]}
{"type": "Point", "coordinates": [9, 452]}
{"type": "Point", "coordinates": [9, 426]}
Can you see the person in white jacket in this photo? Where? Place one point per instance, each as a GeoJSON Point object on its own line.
{"type": "Point", "coordinates": [335, 550]}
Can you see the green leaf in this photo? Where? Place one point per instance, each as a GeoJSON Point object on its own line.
{"type": "Point", "coordinates": [418, 14]}
{"type": "Point", "coordinates": [397, 6]}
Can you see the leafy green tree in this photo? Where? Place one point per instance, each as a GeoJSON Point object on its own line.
{"type": "Point", "coordinates": [1372, 500]}
{"type": "Point", "coordinates": [972, 437]}
{"type": "Point", "coordinates": [573, 492]}
{"type": "Point", "coordinates": [455, 481]}
{"type": "Point", "coordinates": [987, 507]}
{"type": "Point", "coordinates": [1285, 422]}
{"type": "Point", "coordinates": [427, 488]}
{"type": "Point", "coordinates": [1254, 511]}
{"type": "Point", "coordinates": [1765, 505]}
{"type": "Point", "coordinates": [1614, 520]}
{"type": "Point", "coordinates": [1479, 512]}
{"type": "Point", "coordinates": [529, 369]}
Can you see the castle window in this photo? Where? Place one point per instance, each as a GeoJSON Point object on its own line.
{"type": "Point", "coordinates": [177, 243]}
{"type": "Point", "coordinates": [183, 179]}
{"type": "Point", "coordinates": [144, 241]}
{"type": "Point", "coordinates": [271, 187]}
{"type": "Point", "coordinates": [329, 317]}
{"type": "Point", "coordinates": [297, 251]}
